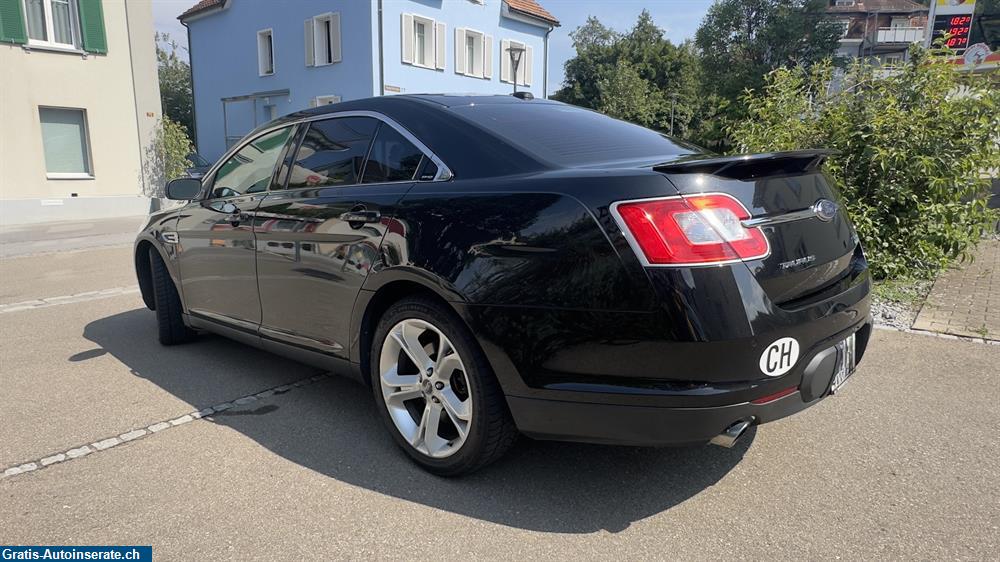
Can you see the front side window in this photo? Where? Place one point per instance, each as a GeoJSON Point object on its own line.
{"type": "Point", "coordinates": [66, 143]}
{"type": "Point", "coordinates": [250, 169]}
{"type": "Point", "coordinates": [265, 52]}
{"type": "Point", "coordinates": [332, 152]}
{"type": "Point", "coordinates": [52, 22]}
{"type": "Point", "coordinates": [393, 157]}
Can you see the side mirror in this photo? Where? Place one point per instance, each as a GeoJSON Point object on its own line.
{"type": "Point", "coordinates": [183, 189]}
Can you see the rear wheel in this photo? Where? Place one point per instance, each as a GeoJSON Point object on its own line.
{"type": "Point", "coordinates": [436, 392]}
{"type": "Point", "coordinates": [169, 313]}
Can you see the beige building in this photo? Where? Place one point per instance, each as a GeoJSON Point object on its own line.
{"type": "Point", "coordinates": [79, 104]}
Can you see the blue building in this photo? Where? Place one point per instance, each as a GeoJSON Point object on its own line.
{"type": "Point", "coordinates": [255, 60]}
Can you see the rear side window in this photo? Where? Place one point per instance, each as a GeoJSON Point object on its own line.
{"type": "Point", "coordinates": [571, 136]}
{"type": "Point", "coordinates": [332, 152]}
{"type": "Point", "coordinates": [250, 169]}
{"type": "Point", "coordinates": [393, 158]}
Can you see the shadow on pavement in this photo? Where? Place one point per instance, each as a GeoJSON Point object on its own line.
{"type": "Point", "coordinates": [332, 427]}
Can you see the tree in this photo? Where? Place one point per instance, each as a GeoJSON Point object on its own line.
{"type": "Point", "coordinates": [626, 95]}
{"type": "Point", "coordinates": [167, 156]}
{"type": "Point", "coordinates": [743, 40]}
{"type": "Point", "coordinates": [176, 95]}
{"type": "Point", "coordinates": [638, 76]}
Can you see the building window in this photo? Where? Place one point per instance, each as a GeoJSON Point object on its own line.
{"type": "Point", "coordinates": [323, 40]}
{"type": "Point", "coordinates": [525, 67]}
{"type": "Point", "coordinates": [324, 100]}
{"type": "Point", "coordinates": [423, 41]}
{"type": "Point", "coordinates": [473, 53]}
{"type": "Point", "coordinates": [265, 52]}
{"type": "Point", "coordinates": [53, 23]}
{"type": "Point", "coordinates": [65, 143]}
{"type": "Point", "coordinates": [844, 3]}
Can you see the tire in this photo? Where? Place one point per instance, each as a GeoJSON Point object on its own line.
{"type": "Point", "coordinates": [169, 312]}
{"type": "Point", "coordinates": [488, 433]}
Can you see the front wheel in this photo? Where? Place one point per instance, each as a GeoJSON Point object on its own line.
{"type": "Point", "coordinates": [169, 312]}
{"type": "Point", "coordinates": [435, 390]}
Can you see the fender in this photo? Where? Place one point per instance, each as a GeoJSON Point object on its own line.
{"type": "Point", "coordinates": [157, 233]}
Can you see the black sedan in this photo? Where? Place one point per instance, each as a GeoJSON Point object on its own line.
{"type": "Point", "coordinates": [495, 266]}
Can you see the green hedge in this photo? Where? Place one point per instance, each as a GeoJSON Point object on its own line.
{"type": "Point", "coordinates": [915, 145]}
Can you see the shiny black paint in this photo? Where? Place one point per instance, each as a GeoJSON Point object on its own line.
{"type": "Point", "coordinates": [530, 257]}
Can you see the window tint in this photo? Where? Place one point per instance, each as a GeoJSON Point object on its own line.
{"type": "Point", "coordinates": [393, 158]}
{"type": "Point", "coordinates": [250, 169]}
{"type": "Point", "coordinates": [571, 136]}
{"type": "Point", "coordinates": [332, 152]}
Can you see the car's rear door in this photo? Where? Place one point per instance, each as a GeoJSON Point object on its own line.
{"type": "Point", "coordinates": [216, 243]}
{"type": "Point", "coordinates": [319, 236]}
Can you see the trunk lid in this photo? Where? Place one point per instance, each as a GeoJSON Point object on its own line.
{"type": "Point", "coordinates": [810, 250]}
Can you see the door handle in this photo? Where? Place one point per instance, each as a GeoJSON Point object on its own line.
{"type": "Point", "coordinates": [361, 216]}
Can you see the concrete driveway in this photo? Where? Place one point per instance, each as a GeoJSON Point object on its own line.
{"type": "Point", "coordinates": [904, 463]}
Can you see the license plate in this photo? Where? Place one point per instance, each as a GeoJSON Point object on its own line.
{"type": "Point", "coordinates": [845, 363]}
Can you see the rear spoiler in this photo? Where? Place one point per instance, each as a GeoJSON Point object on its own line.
{"type": "Point", "coordinates": [749, 166]}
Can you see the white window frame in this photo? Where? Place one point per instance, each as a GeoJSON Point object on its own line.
{"type": "Point", "coordinates": [433, 46]}
{"type": "Point", "coordinates": [74, 25]}
{"type": "Point", "coordinates": [524, 68]}
{"type": "Point", "coordinates": [87, 154]}
{"type": "Point", "coordinates": [427, 46]}
{"type": "Point", "coordinates": [269, 32]}
{"type": "Point", "coordinates": [481, 64]}
{"type": "Point", "coordinates": [334, 37]}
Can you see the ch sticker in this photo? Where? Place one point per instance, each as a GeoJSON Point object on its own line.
{"type": "Point", "coordinates": [779, 357]}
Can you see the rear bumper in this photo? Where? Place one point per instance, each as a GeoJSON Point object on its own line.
{"type": "Point", "coordinates": [604, 419]}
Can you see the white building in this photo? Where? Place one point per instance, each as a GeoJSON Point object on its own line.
{"type": "Point", "coordinates": [79, 103]}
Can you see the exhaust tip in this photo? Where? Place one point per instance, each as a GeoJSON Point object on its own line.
{"type": "Point", "coordinates": [731, 434]}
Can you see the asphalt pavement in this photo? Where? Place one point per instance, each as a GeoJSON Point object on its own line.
{"type": "Point", "coordinates": [288, 462]}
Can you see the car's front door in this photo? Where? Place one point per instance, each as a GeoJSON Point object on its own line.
{"type": "Point", "coordinates": [319, 237]}
{"type": "Point", "coordinates": [216, 244]}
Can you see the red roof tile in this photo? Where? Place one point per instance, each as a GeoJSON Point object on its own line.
{"type": "Point", "coordinates": [532, 8]}
{"type": "Point", "coordinates": [200, 7]}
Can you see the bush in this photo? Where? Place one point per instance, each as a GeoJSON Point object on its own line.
{"type": "Point", "coordinates": [914, 147]}
{"type": "Point", "coordinates": [167, 156]}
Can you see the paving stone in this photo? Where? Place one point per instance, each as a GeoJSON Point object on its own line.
{"type": "Point", "coordinates": [107, 443]}
{"type": "Point", "coordinates": [965, 300]}
{"type": "Point", "coordinates": [158, 427]}
{"type": "Point", "coordinates": [133, 435]}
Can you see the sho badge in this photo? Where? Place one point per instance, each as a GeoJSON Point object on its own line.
{"type": "Point", "coordinates": [779, 357]}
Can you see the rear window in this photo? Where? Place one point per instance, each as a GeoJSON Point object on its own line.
{"type": "Point", "coordinates": [570, 136]}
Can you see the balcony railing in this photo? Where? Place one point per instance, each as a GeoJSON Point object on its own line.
{"type": "Point", "coordinates": [900, 34]}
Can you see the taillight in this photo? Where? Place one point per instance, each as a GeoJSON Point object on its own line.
{"type": "Point", "coordinates": [691, 230]}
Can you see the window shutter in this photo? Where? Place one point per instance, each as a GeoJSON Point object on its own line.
{"type": "Point", "coordinates": [406, 34]}
{"type": "Point", "coordinates": [505, 61]}
{"type": "Point", "coordinates": [439, 45]}
{"type": "Point", "coordinates": [459, 50]}
{"type": "Point", "coordinates": [528, 66]}
{"type": "Point", "coordinates": [310, 43]}
{"type": "Point", "coordinates": [488, 56]}
{"type": "Point", "coordinates": [95, 40]}
{"type": "Point", "coordinates": [12, 22]}
{"type": "Point", "coordinates": [335, 36]}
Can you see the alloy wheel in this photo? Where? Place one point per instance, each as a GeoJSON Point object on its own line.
{"type": "Point", "coordinates": [426, 388]}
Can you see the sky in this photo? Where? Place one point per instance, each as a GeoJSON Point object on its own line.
{"type": "Point", "coordinates": [678, 18]}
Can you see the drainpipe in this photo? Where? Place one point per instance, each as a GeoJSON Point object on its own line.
{"type": "Point", "coordinates": [381, 57]}
{"type": "Point", "coordinates": [545, 64]}
{"type": "Point", "coordinates": [194, 115]}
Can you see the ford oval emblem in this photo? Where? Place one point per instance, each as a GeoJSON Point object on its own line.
{"type": "Point", "coordinates": [825, 210]}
